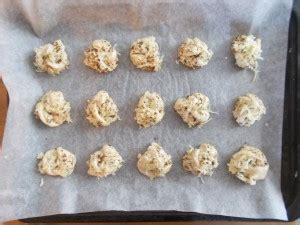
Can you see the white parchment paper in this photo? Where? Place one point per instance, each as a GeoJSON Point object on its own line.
{"type": "Point", "coordinates": [25, 25]}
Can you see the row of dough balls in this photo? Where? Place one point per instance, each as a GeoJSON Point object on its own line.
{"type": "Point", "coordinates": [53, 110]}
{"type": "Point", "coordinates": [102, 56]}
{"type": "Point", "coordinates": [249, 164]}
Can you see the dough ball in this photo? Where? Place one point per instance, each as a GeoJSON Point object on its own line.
{"type": "Point", "coordinates": [248, 109]}
{"type": "Point", "coordinates": [247, 51]}
{"type": "Point", "coordinates": [201, 161]}
{"type": "Point", "coordinates": [155, 162]}
{"type": "Point", "coordinates": [51, 58]}
{"type": "Point", "coordinates": [150, 109]}
{"type": "Point", "coordinates": [104, 162]}
{"type": "Point", "coordinates": [144, 54]}
{"type": "Point", "coordinates": [52, 109]}
{"type": "Point", "coordinates": [194, 109]}
{"type": "Point", "coordinates": [194, 53]}
{"type": "Point", "coordinates": [102, 110]}
{"type": "Point", "coordinates": [57, 162]}
{"type": "Point", "coordinates": [101, 56]}
{"type": "Point", "coordinates": [249, 164]}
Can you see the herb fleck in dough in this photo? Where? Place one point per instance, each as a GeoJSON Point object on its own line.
{"type": "Point", "coordinates": [52, 109]}
{"type": "Point", "coordinates": [194, 53]}
{"type": "Point", "coordinates": [155, 162]}
{"type": "Point", "coordinates": [194, 109]}
{"type": "Point", "coordinates": [104, 162]}
{"type": "Point", "coordinates": [51, 58]}
{"type": "Point", "coordinates": [101, 56]}
{"type": "Point", "coordinates": [144, 54]}
{"type": "Point", "coordinates": [248, 109]}
{"type": "Point", "coordinates": [249, 165]}
{"type": "Point", "coordinates": [102, 110]}
{"type": "Point", "coordinates": [247, 51]}
{"type": "Point", "coordinates": [150, 109]}
{"type": "Point", "coordinates": [201, 161]}
{"type": "Point", "coordinates": [57, 162]}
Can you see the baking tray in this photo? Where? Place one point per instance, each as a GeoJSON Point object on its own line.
{"type": "Point", "coordinates": [290, 182]}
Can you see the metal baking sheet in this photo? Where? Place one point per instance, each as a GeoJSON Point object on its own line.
{"type": "Point", "coordinates": [29, 24]}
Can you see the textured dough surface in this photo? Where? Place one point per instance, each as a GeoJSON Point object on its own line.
{"type": "Point", "coordinates": [194, 109]}
{"type": "Point", "coordinates": [247, 51]}
{"type": "Point", "coordinates": [194, 53]}
{"type": "Point", "coordinates": [104, 162]}
{"type": "Point", "coordinates": [101, 110]}
{"type": "Point", "coordinates": [249, 165]}
{"type": "Point", "coordinates": [248, 109]}
{"type": "Point", "coordinates": [155, 162]}
{"type": "Point", "coordinates": [101, 56]}
{"type": "Point", "coordinates": [201, 161]}
{"type": "Point", "coordinates": [51, 58]}
{"type": "Point", "coordinates": [144, 54]}
{"type": "Point", "coordinates": [57, 162]}
{"type": "Point", "coordinates": [52, 109]}
{"type": "Point", "coordinates": [150, 109]}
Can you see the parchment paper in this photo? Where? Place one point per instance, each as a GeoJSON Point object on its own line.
{"type": "Point", "coordinates": [29, 24]}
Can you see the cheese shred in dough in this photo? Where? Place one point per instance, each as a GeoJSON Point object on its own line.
{"type": "Point", "coordinates": [102, 110]}
{"type": "Point", "coordinates": [194, 109]}
{"type": "Point", "coordinates": [150, 109]}
{"type": "Point", "coordinates": [194, 53]}
{"type": "Point", "coordinates": [155, 162]}
{"type": "Point", "coordinates": [56, 162]}
{"type": "Point", "coordinates": [248, 109]}
{"type": "Point", "coordinates": [201, 161]}
{"type": "Point", "coordinates": [104, 162]}
{"type": "Point", "coordinates": [51, 58]}
{"type": "Point", "coordinates": [145, 55]}
{"type": "Point", "coordinates": [52, 109]}
{"type": "Point", "coordinates": [101, 56]}
{"type": "Point", "coordinates": [249, 165]}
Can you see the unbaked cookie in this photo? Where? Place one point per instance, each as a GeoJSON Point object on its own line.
{"type": "Point", "coordinates": [52, 109]}
{"type": "Point", "coordinates": [144, 54]}
{"type": "Point", "coordinates": [150, 109]}
{"type": "Point", "coordinates": [194, 53]}
{"type": "Point", "coordinates": [101, 56]}
{"type": "Point", "coordinates": [56, 162]}
{"type": "Point", "coordinates": [249, 165]}
{"type": "Point", "coordinates": [194, 109]}
{"type": "Point", "coordinates": [101, 110]}
{"type": "Point", "coordinates": [248, 109]}
{"type": "Point", "coordinates": [155, 162]}
{"type": "Point", "coordinates": [104, 162]}
{"type": "Point", "coordinates": [247, 51]}
{"type": "Point", "coordinates": [51, 58]}
{"type": "Point", "coordinates": [201, 161]}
